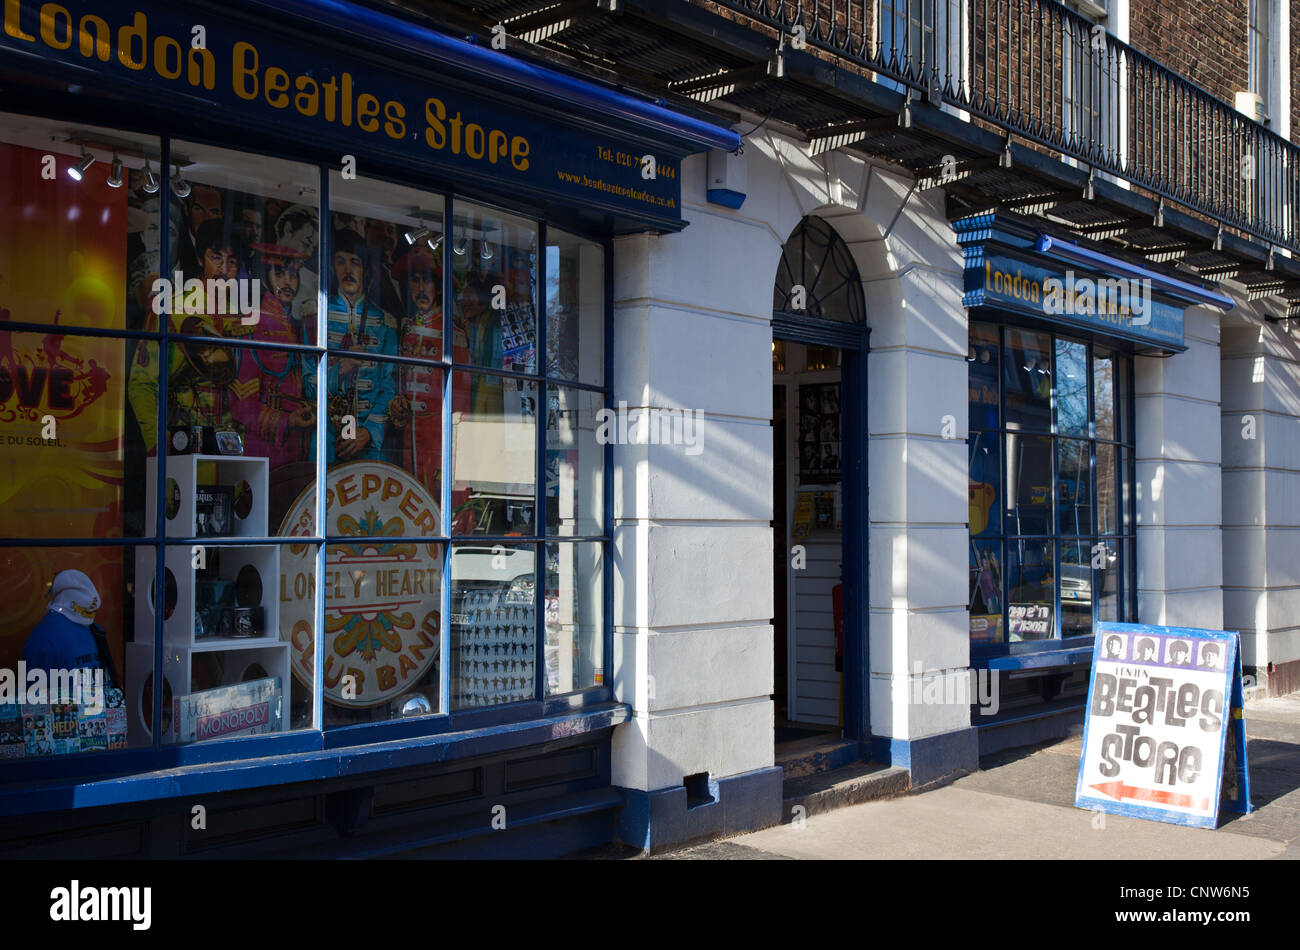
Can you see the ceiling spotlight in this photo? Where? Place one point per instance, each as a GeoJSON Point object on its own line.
{"type": "Point", "coordinates": [435, 242]}
{"type": "Point", "coordinates": [459, 247]}
{"type": "Point", "coordinates": [416, 235]}
{"type": "Point", "coordinates": [486, 251]}
{"type": "Point", "coordinates": [115, 176]}
{"type": "Point", "coordinates": [150, 180]}
{"type": "Point", "coordinates": [78, 171]}
{"type": "Point", "coordinates": [180, 187]}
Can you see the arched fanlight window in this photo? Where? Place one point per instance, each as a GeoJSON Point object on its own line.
{"type": "Point", "coordinates": [817, 260]}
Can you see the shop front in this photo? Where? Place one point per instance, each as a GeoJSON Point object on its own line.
{"type": "Point", "coordinates": [1055, 330]}
{"type": "Point", "coordinates": [305, 518]}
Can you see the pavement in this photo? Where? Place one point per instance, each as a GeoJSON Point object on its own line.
{"type": "Point", "coordinates": [1020, 804]}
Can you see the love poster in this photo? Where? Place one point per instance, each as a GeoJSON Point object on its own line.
{"type": "Point", "coordinates": [62, 397]}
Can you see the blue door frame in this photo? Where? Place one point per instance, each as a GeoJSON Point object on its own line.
{"type": "Point", "coordinates": [852, 341]}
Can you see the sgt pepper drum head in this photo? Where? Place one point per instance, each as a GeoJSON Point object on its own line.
{"type": "Point", "coordinates": [382, 597]}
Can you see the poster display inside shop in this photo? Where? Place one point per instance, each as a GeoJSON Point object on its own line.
{"type": "Point", "coordinates": [231, 399]}
{"type": "Point", "coordinates": [819, 432]}
{"type": "Point", "coordinates": [63, 454]}
{"type": "Point", "coordinates": [986, 592]}
{"type": "Point", "coordinates": [1164, 710]}
{"type": "Point", "coordinates": [382, 598]}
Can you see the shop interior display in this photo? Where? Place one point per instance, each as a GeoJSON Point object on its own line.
{"type": "Point", "coordinates": [224, 627]}
{"type": "Point", "coordinates": [494, 630]}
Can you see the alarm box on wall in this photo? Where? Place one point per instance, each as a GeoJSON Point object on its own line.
{"type": "Point", "coordinates": [727, 178]}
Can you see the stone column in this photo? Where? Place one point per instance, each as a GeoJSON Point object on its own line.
{"type": "Point", "coordinates": [1261, 497]}
{"type": "Point", "coordinates": [1179, 491]}
{"type": "Point", "coordinates": [692, 536]}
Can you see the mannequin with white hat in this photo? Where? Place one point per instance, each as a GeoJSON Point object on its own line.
{"type": "Point", "coordinates": [67, 637]}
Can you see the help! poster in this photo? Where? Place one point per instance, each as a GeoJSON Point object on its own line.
{"type": "Point", "coordinates": [1160, 703]}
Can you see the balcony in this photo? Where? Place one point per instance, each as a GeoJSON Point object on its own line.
{"type": "Point", "coordinates": [1017, 105]}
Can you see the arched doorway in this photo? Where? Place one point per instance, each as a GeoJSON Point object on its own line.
{"type": "Point", "coordinates": [819, 386]}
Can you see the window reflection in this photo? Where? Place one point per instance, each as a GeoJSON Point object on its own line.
{"type": "Point", "coordinates": [494, 453]}
{"type": "Point", "coordinates": [1029, 484]}
{"type": "Point", "coordinates": [1031, 590]}
{"type": "Point", "coordinates": [575, 306]}
{"type": "Point", "coordinates": [1027, 380]}
{"type": "Point", "coordinates": [986, 592]}
{"type": "Point", "coordinates": [983, 363]}
{"type": "Point", "coordinates": [494, 260]}
{"type": "Point", "coordinates": [1071, 388]}
{"type": "Point", "coordinates": [1057, 578]}
{"type": "Point", "coordinates": [1073, 487]}
{"type": "Point", "coordinates": [574, 607]}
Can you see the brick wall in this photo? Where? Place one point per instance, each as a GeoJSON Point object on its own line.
{"type": "Point", "coordinates": [1204, 42]}
{"type": "Point", "coordinates": [1295, 70]}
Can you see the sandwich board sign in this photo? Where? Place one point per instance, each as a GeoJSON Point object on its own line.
{"type": "Point", "coordinates": [1163, 734]}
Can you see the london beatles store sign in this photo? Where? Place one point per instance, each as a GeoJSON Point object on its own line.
{"type": "Point", "coordinates": [1040, 288]}
{"type": "Point", "coordinates": [246, 67]}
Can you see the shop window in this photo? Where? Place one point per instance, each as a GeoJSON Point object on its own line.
{"type": "Point", "coordinates": [240, 437]}
{"type": "Point", "coordinates": [494, 458]}
{"type": "Point", "coordinates": [385, 377]}
{"type": "Point", "coordinates": [1050, 461]}
{"type": "Point", "coordinates": [1027, 375]}
{"type": "Point", "coordinates": [574, 617]}
{"type": "Point", "coordinates": [65, 636]}
{"type": "Point", "coordinates": [78, 254]}
{"type": "Point", "coordinates": [195, 486]}
{"type": "Point", "coordinates": [493, 624]}
{"type": "Point", "coordinates": [235, 619]}
{"type": "Point", "coordinates": [575, 460]}
{"type": "Point", "coordinates": [282, 365]}
{"type": "Point", "coordinates": [494, 271]}
{"type": "Point", "coordinates": [575, 308]}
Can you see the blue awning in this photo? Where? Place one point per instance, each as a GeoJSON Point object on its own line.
{"type": "Point", "coordinates": [1106, 263]}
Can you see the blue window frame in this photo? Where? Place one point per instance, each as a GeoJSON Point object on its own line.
{"type": "Point", "coordinates": [560, 519]}
{"type": "Point", "coordinates": [1051, 474]}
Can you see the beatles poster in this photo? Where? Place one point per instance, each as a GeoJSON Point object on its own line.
{"type": "Point", "coordinates": [1160, 702]}
{"type": "Point", "coordinates": [819, 432]}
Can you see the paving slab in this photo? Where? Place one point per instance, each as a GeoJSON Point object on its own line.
{"type": "Point", "coordinates": [1021, 805]}
{"type": "Point", "coordinates": [957, 823]}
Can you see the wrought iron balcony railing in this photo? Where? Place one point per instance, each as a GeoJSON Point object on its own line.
{"type": "Point", "coordinates": [1046, 73]}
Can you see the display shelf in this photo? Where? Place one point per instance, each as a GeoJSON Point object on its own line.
{"type": "Point", "coordinates": [187, 671]}
{"type": "Point", "coordinates": [188, 474]}
{"type": "Point", "coordinates": [206, 591]}
{"type": "Point", "coordinates": [216, 644]}
{"type": "Point", "coordinates": [225, 566]}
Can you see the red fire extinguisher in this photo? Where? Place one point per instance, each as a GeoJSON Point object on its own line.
{"type": "Point", "coordinates": [837, 605]}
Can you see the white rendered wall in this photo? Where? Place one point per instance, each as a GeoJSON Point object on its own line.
{"type": "Point", "coordinates": [917, 385]}
{"type": "Point", "coordinates": [1261, 487]}
{"type": "Point", "coordinates": [1179, 489]}
{"type": "Point", "coordinates": [693, 552]}
{"type": "Point", "coordinates": [692, 532]}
